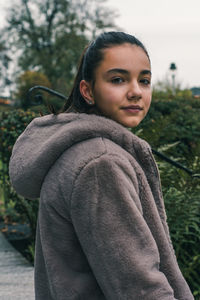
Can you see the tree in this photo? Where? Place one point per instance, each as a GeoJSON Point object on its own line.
{"type": "Point", "coordinates": [1, 57]}
{"type": "Point", "coordinates": [50, 34]}
{"type": "Point", "coordinates": [24, 82]}
{"type": "Point", "coordinates": [4, 65]}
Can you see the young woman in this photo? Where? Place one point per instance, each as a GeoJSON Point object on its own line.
{"type": "Point", "coordinates": [102, 231]}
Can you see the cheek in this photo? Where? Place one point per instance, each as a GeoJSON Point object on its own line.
{"type": "Point", "coordinates": [106, 97]}
{"type": "Point", "coordinates": [148, 100]}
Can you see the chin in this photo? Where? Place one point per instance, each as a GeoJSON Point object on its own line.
{"type": "Point", "coordinates": [129, 124]}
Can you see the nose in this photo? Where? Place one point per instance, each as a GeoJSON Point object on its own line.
{"type": "Point", "coordinates": [134, 91]}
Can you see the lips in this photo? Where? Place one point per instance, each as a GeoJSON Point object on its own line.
{"type": "Point", "coordinates": [133, 107]}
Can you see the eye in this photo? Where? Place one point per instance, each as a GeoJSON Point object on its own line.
{"type": "Point", "coordinates": [117, 80]}
{"type": "Point", "coordinates": [145, 81]}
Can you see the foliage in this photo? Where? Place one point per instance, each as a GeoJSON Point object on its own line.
{"type": "Point", "coordinates": [162, 89]}
{"type": "Point", "coordinates": [16, 208]}
{"type": "Point", "coordinates": [26, 81]}
{"type": "Point", "coordinates": [183, 210]}
{"type": "Point", "coordinates": [173, 127]}
{"type": "Point", "coordinates": [174, 120]}
{"type": "Point", "coordinates": [2, 49]}
{"type": "Point", "coordinates": [4, 64]}
{"type": "Point", "coordinates": [50, 34]}
{"type": "Point", "coordinates": [13, 124]}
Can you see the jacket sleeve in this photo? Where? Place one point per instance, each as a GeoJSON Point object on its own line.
{"type": "Point", "coordinates": [108, 220]}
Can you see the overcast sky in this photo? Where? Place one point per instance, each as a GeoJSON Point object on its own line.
{"type": "Point", "coordinates": [170, 30]}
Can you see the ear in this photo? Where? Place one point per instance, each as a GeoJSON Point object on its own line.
{"type": "Point", "coordinates": [86, 91]}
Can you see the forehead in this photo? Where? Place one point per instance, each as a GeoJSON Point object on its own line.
{"type": "Point", "coordinates": [125, 56]}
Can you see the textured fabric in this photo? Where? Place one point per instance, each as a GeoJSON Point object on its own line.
{"type": "Point", "coordinates": [102, 231]}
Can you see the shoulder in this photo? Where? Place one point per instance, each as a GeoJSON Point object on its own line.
{"type": "Point", "coordinates": [96, 149]}
{"type": "Point", "coordinates": [99, 156]}
{"type": "Point", "coordinates": [93, 153]}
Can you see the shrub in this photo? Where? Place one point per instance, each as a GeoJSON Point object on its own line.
{"type": "Point", "coordinates": [181, 195]}
{"type": "Point", "coordinates": [26, 81]}
{"type": "Point", "coordinates": [16, 208]}
{"type": "Point", "coordinates": [174, 120]}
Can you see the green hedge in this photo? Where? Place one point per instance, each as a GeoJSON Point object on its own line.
{"type": "Point", "coordinates": [15, 208]}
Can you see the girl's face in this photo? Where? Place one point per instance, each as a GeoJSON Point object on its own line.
{"type": "Point", "coordinates": [122, 88]}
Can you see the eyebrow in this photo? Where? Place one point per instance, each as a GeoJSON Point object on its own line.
{"type": "Point", "coordinates": [144, 72]}
{"type": "Point", "coordinates": [123, 71]}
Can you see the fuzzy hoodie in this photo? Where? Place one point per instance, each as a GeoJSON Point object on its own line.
{"type": "Point", "coordinates": [102, 231]}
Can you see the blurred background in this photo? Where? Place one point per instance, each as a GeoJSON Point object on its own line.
{"type": "Point", "coordinates": [169, 29]}
{"type": "Point", "coordinates": [40, 45]}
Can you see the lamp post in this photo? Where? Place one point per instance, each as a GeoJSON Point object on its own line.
{"type": "Point", "coordinates": [173, 70]}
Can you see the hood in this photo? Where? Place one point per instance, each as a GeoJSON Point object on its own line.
{"type": "Point", "coordinates": [46, 138]}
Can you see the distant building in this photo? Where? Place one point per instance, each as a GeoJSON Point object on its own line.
{"type": "Point", "coordinates": [196, 92]}
{"type": "Point", "coordinates": [5, 100]}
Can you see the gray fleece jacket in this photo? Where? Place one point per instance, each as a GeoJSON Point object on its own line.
{"type": "Point", "coordinates": [102, 231]}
